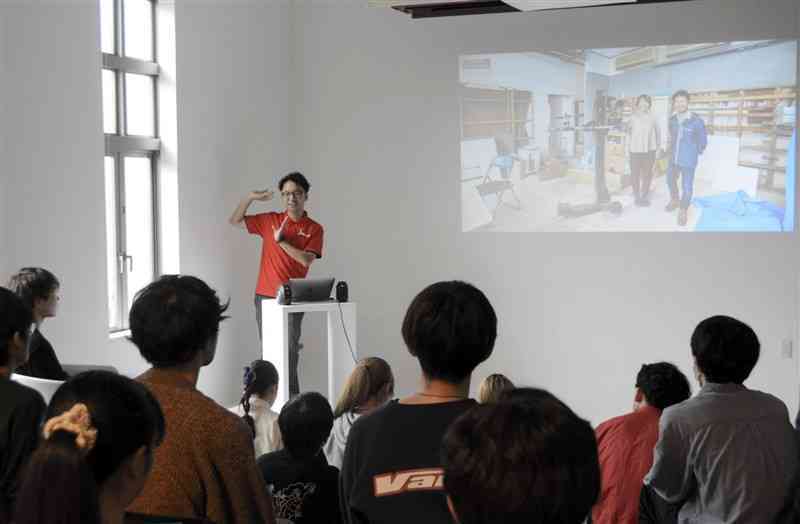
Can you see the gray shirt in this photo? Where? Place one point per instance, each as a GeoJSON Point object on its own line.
{"type": "Point", "coordinates": [644, 133]}
{"type": "Point", "coordinates": [728, 454]}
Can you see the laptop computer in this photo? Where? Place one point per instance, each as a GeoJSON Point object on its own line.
{"type": "Point", "coordinates": [311, 289]}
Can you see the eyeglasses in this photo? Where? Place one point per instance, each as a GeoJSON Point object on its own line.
{"type": "Point", "coordinates": [296, 194]}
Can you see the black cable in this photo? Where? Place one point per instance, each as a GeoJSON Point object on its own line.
{"type": "Point", "coordinates": [346, 336]}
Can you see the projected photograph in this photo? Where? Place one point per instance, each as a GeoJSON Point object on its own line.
{"type": "Point", "coordinates": [697, 137]}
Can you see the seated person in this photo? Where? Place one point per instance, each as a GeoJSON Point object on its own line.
{"type": "Point", "coordinates": [260, 390]}
{"type": "Point", "coordinates": [206, 467]}
{"type": "Point", "coordinates": [304, 487]}
{"type": "Point", "coordinates": [38, 288]}
{"type": "Point", "coordinates": [391, 470]}
{"type": "Point", "coordinates": [21, 408]}
{"type": "Point", "coordinates": [625, 443]}
{"type": "Point", "coordinates": [547, 471]}
{"type": "Point", "coordinates": [97, 451]}
{"type": "Point", "coordinates": [369, 386]}
{"type": "Point", "coordinates": [492, 387]}
{"type": "Point", "coordinates": [728, 454]}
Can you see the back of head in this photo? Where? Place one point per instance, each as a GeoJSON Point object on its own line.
{"type": "Point", "coordinates": [305, 423]}
{"type": "Point", "coordinates": [372, 379]}
{"type": "Point", "coordinates": [663, 384]}
{"type": "Point", "coordinates": [451, 328]}
{"type": "Point", "coordinates": [65, 473]}
{"type": "Point", "coordinates": [726, 349]}
{"type": "Point", "coordinates": [525, 459]}
{"type": "Point", "coordinates": [15, 319]}
{"type": "Point", "coordinates": [174, 318]}
{"type": "Point", "coordinates": [33, 283]}
{"type": "Point", "coordinates": [493, 387]}
{"type": "Point", "coordinates": [259, 377]}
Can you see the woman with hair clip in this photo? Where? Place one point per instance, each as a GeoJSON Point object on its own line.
{"type": "Point", "coordinates": [260, 382]}
{"type": "Point", "coordinates": [369, 386]}
{"type": "Point", "coordinates": [99, 438]}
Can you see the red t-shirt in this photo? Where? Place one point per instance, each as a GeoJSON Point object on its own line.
{"type": "Point", "coordinates": [277, 267]}
{"type": "Point", "coordinates": [625, 448]}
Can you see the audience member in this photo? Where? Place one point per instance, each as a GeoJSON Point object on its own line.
{"type": "Point", "coordinates": [369, 386]}
{"type": "Point", "coordinates": [206, 466]}
{"type": "Point", "coordinates": [728, 454]}
{"type": "Point", "coordinates": [260, 389]}
{"type": "Point", "coordinates": [304, 487]}
{"type": "Point", "coordinates": [96, 453]}
{"type": "Point", "coordinates": [391, 470]}
{"type": "Point", "coordinates": [21, 408]}
{"type": "Point", "coordinates": [625, 444]}
{"type": "Point", "coordinates": [492, 387]}
{"type": "Point", "coordinates": [38, 288]}
{"type": "Point", "coordinates": [525, 459]}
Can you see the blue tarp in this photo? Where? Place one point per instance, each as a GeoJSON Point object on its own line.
{"type": "Point", "coordinates": [738, 212]}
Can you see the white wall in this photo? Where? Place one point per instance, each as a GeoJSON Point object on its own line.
{"type": "Point", "coordinates": [232, 134]}
{"type": "Point", "coordinates": [3, 101]}
{"type": "Point", "coordinates": [53, 165]}
{"type": "Point", "coordinates": [377, 126]}
{"type": "Point", "coordinates": [233, 120]}
{"type": "Point", "coordinates": [363, 101]}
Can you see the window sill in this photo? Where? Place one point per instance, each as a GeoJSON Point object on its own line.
{"type": "Point", "coordinates": [116, 335]}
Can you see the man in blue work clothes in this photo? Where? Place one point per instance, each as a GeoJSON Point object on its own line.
{"type": "Point", "coordinates": [688, 140]}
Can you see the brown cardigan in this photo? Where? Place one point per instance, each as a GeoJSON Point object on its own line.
{"type": "Point", "coordinates": [206, 467]}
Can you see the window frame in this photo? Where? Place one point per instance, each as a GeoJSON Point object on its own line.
{"type": "Point", "coordinates": [120, 145]}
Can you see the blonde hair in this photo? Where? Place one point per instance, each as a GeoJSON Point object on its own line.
{"type": "Point", "coordinates": [492, 387]}
{"type": "Point", "coordinates": [371, 378]}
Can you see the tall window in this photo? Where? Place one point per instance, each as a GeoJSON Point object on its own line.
{"type": "Point", "coordinates": [132, 148]}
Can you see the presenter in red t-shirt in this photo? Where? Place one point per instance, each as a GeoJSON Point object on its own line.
{"type": "Point", "coordinates": [291, 241]}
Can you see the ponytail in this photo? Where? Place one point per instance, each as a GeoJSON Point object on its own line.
{"type": "Point", "coordinates": [371, 377]}
{"type": "Point", "coordinates": [71, 494]}
{"type": "Point", "coordinates": [95, 421]}
{"type": "Point", "coordinates": [258, 378]}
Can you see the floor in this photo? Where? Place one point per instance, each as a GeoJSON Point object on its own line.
{"type": "Point", "coordinates": [539, 207]}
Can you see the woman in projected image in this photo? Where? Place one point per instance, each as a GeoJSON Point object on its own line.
{"type": "Point", "coordinates": [644, 139]}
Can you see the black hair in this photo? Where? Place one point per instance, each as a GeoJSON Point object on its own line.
{"type": "Point", "coordinates": [174, 318]}
{"type": "Point", "coordinates": [451, 328]}
{"type": "Point", "coordinates": [258, 378]}
{"type": "Point", "coordinates": [527, 458]}
{"type": "Point", "coordinates": [663, 384]}
{"type": "Point", "coordinates": [305, 423]}
{"type": "Point", "coordinates": [61, 484]}
{"type": "Point", "coordinates": [726, 349]}
{"type": "Point", "coordinates": [683, 93]}
{"type": "Point", "coordinates": [646, 98]}
{"type": "Point", "coordinates": [297, 178]}
{"type": "Point", "coordinates": [32, 283]}
{"type": "Point", "coordinates": [15, 318]}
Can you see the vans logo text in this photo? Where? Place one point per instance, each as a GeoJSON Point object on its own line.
{"type": "Point", "coordinates": [431, 479]}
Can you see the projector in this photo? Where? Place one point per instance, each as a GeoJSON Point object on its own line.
{"type": "Point", "coordinates": [431, 8]}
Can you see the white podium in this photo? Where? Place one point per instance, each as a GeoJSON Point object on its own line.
{"type": "Point", "coordinates": [275, 342]}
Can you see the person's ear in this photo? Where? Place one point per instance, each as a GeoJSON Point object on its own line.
{"type": "Point", "coordinates": [452, 510]}
{"type": "Point", "coordinates": [639, 395]}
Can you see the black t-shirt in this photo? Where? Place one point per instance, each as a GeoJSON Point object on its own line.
{"type": "Point", "coordinates": [21, 412]}
{"type": "Point", "coordinates": [391, 470]}
{"type": "Point", "coordinates": [303, 491]}
{"type": "Point", "coordinates": [42, 362]}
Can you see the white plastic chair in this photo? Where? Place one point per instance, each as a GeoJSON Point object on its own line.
{"type": "Point", "coordinates": [44, 386]}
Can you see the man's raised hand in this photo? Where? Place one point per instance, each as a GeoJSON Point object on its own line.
{"type": "Point", "coordinates": [262, 196]}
